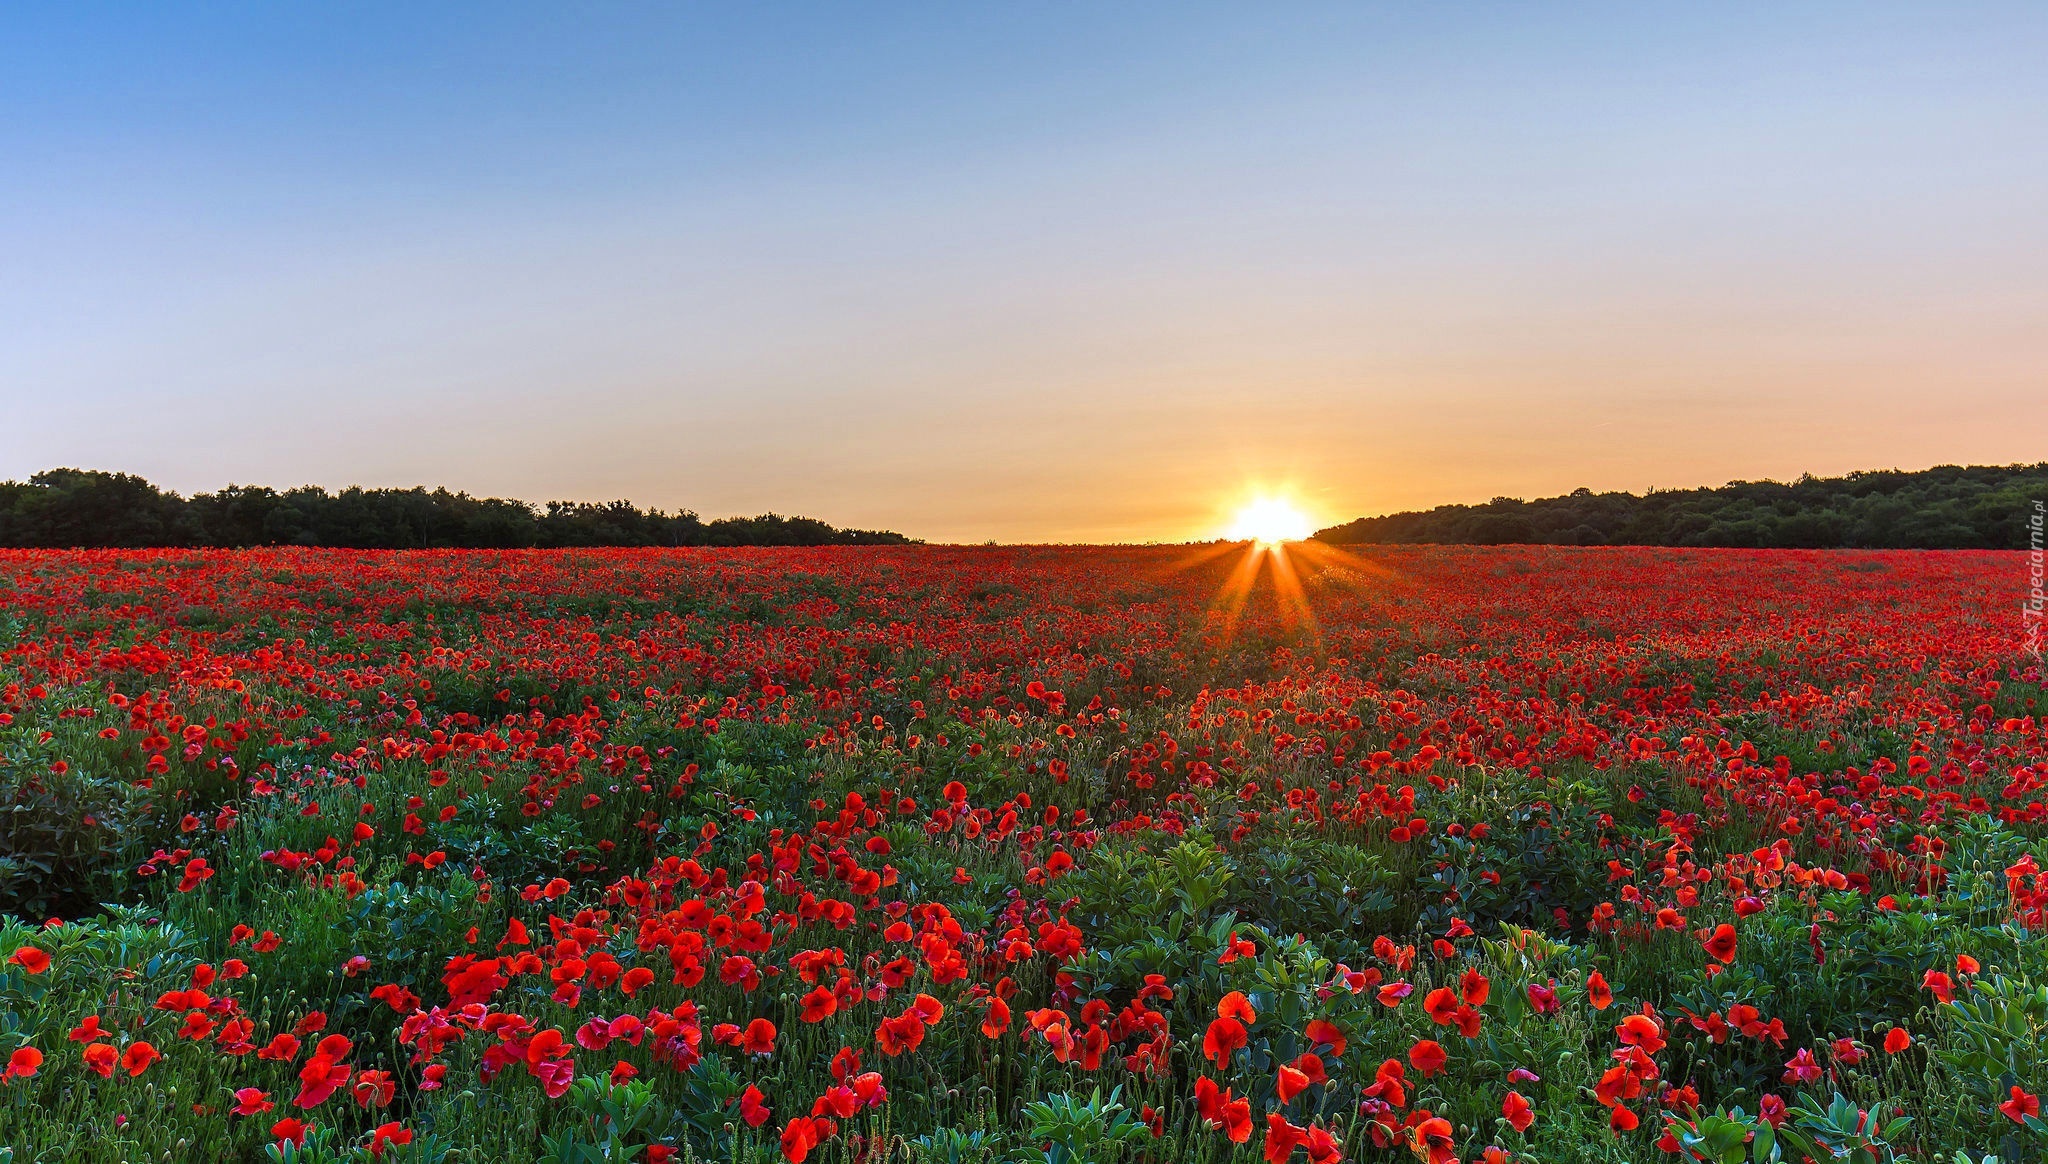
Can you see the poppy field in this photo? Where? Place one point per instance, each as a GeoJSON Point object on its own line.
{"type": "Point", "coordinates": [866, 855]}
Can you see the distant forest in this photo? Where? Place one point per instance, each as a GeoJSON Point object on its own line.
{"type": "Point", "coordinates": [1946, 507]}
{"type": "Point", "coordinates": [66, 508]}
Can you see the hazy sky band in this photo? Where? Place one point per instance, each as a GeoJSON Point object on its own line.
{"type": "Point", "coordinates": [1058, 272]}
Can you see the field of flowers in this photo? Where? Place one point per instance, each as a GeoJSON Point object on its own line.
{"type": "Point", "coordinates": [1021, 854]}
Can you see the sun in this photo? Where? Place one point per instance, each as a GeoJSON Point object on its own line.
{"type": "Point", "coordinates": [1270, 521]}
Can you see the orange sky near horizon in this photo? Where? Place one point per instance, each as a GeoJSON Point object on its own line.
{"type": "Point", "coordinates": [1027, 273]}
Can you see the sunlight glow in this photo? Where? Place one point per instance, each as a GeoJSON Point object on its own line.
{"type": "Point", "coordinates": [1270, 521]}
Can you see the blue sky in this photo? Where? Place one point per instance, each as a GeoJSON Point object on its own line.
{"type": "Point", "coordinates": [1045, 271]}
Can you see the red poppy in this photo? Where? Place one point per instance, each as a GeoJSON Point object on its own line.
{"type": "Point", "coordinates": [1432, 1139]}
{"type": "Point", "coordinates": [1322, 1032]}
{"type": "Point", "coordinates": [30, 959]}
{"type": "Point", "coordinates": [819, 1005]}
{"type": "Point", "coordinates": [1428, 1057]}
{"type": "Point", "coordinates": [1474, 987]}
{"type": "Point", "coordinates": [1944, 989]}
{"type": "Point", "coordinates": [1517, 1111]}
{"type": "Point", "coordinates": [996, 1019]}
{"type": "Point", "coordinates": [22, 1063]}
{"type": "Point", "coordinates": [799, 1136]}
{"type": "Point", "coordinates": [1223, 1038]}
{"type": "Point", "coordinates": [1896, 1040]}
{"type": "Point", "coordinates": [137, 1058]}
{"type": "Point", "coordinates": [386, 1134]}
{"type": "Point", "coordinates": [1597, 991]}
{"type": "Point", "coordinates": [1441, 1005]}
{"type": "Point", "coordinates": [1236, 1006]}
{"type": "Point", "coordinates": [1282, 1138]}
{"type": "Point", "coordinates": [1721, 945]}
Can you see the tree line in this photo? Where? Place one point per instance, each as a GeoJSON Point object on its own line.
{"type": "Point", "coordinates": [1946, 507]}
{"type": "Point", "coordinates": [84, 508]}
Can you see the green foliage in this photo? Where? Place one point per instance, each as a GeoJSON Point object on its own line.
{"type": "Point", "coordinates": [1065, 1130]}
{"type": "Point", "coordinates": [1979, 506]}
{"type": "Point", "coordinates": [61, 508]}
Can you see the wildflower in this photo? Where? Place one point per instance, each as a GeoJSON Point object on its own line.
{"type": "Point", "coordinates": [1517, 1111]}
{"type": "Point", "coordinates": [1323, 1033]}
{"type": "Point", "coordinates": [31, 959]}
{"type": "Point", "coordinates": [1721, 946]}
{"type": "Point", "coordinates": [22, 1064]}
{"type": "Point", "coordinates": [1802, 1068]}
{"type": "Point", "coordinates": [137, 1058]}
{"type": "Point", "coordinates": [1223, 1038]}
{"type": "Point", "coordinates": [1597, 991]}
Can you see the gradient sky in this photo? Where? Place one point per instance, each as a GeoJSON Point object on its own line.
{"type": "Point", "coordinates": [1048, 272]}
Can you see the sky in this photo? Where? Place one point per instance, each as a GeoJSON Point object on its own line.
{"type": "Point", "coordinates": [1028, 272]}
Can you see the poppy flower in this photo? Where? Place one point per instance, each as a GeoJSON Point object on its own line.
{"type": "Point", "coordinates": [1389, 1084]}
{"type": "Point", "coordinates": [1641, 1030]}
{"type": "Point", "coordinates": [30, 959]}
{"type": "Point", "coordinates": [819, 1005]}
{"type": "Point", "coordinates": [1598, 994]}
{"type": "Point", "coordinates": [1897, 1040]}
{"type": "Point", "coordinates": [2021, 1105]}
{"type": "Point", "coordinates": [281, 1046]}
{"type": "Point", "coordinates": [290, 1128]}
{"type": "Point", "coordinates": [1802, 1068]}
{"type": "Point", "coordinates": [1622, 1119]}
{"type": "Point", "coordinates": [372, 1088]}
{"type": "Point", "coordinates": [1944, 989]}
{"type": "Point", "coordinates": [100, 1059]}
{"type": "Point", "coordinates": [22, 1063]}
{"type": "Point", "coordinates": [1223, 1038]}
{"type": "Point", "coordinates": [1517, 1111]}
{"type": "Point", "coordinates": [996, 1019]}
{"type": "Point", "coordinates": [1222, 1111]}
{"type": "Point", "coordinates": [752, 1108]}
{"type": "Point", "coordinates": [386, 1134]}
{"type": "Point", "coordinates": [252, 1101]}
{"type": "Point", "coordinates": [1289, 1082]}
{"type": "Point", "coordinates": [760, 1038]}
{"type": "Point", "coordinates": [1432, 1139]}
{"type": "Point", "coordinates": [1474, 988]}
{"type": "Point", "coordinates": [799, 1136]}
{"type": "Point", "coordinates": [1311, 1065]}
{"type": "Point", "coordinates": [1441, 1005]}
{"type": "Point", "coordinates": [138, 1056]}
{"type": "Point", "coordinates": [1721, 945]}
{"type": "Point", "coordinates": [1236, 1006]}
{"type": "Point", "coordinates": [1282, 1138]}
{"type": "Point", "coordinates": [1324, 1033]}
{"type": "Point", "coordinates": [1428, 1057]}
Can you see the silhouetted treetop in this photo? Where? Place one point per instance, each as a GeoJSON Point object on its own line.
{"type": "Point", "coordinates": [85, 508]}
{"type": "Point", "coordinates": [1946, 507]}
